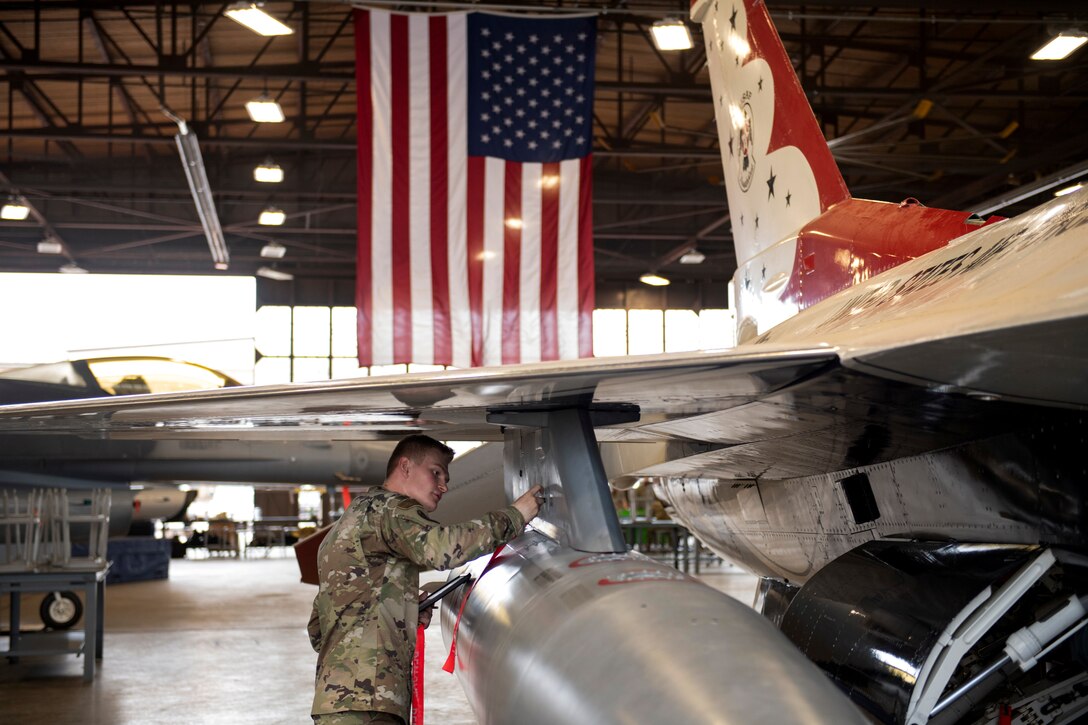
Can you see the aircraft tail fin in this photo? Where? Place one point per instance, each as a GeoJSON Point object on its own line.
{"type": "Point", "coordinates": [800, 238]}
{"type": "Point", "coordinates": [779, 172]}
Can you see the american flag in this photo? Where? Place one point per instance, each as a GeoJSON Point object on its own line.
{"type": "Point", "coordinates": [475, 226]}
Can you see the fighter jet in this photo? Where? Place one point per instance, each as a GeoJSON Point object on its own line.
{"type": "Point", "coordinates": [895, 447]}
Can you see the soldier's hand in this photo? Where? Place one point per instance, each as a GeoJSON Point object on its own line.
{"type": "Point", "coordinates": [425, 615]}
{"type": "Point", "coordinates": [528, 504]}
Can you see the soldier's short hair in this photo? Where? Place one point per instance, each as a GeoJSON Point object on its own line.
{"type": "Point", "coordinates": [415, 448]}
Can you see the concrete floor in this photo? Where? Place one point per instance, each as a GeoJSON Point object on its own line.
{"type": "Point", "coordinates": [221, 641]}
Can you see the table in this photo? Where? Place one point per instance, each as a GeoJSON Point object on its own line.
{"type": "Point", "coordinates": [276, 531]}
{"type": "Point", "coordinates": [266, 536]}
{"type": "Point", "coordinates": [25, 644]}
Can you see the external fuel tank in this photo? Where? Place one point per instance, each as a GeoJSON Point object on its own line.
{"type": "Point", "coordinates": [554, 635]}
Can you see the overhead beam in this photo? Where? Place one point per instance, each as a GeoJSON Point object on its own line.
{"type": "Point", "coordinates": [58, 190]}
{"type": "Point", "coordinates": [897, 94]}
{"type": "Point", "coordinates": [262, 143]}
{"type": "Point", "coordinates": [330, 72]}
{"type": "Point", "coordinates": [58, 71]}
{"type": "Point", "coordinates": [66, 135]}
{"type": "Point", "coordinates": [284, 72]}
{"type": "Point", "coordinates": [249, 229]}
{"type": "Point", "coordinates": [660, 237]}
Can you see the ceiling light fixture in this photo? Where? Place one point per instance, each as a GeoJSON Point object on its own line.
{"type": "Point", "coordinates": [264, 110]}
{"type": "Point", "coordinates": [72, 269]}
{"type": "Point", "coordinates": [15, 210]}
{"type": "Point", "coordinates": [272, 273]}
{"type": "Point", "coordinates": [268, 173]}
{"type": "Point", "coordinates": [49, 245]}
{"type": "Point", "coordinates": [694, 256]}
{"type": "Point", "coordinates": [192, 161]}
{"type": "Point", "coordinates": [257, 20]}
{"type": "Point", "coordinates": [653, 280]}
{"type": "Point", "coordinates": [272, 217]}
{"type": "Point", "coordinates": [671, 34]}
{"type": "Point", "coordinates": [273, 250]}
{"type": "Point", "coordinates": [1061, 46]}
{"type": "Point", "coordinates": [1069, 189]}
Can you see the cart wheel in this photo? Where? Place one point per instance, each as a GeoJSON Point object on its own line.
{"type": "Point", "coordinates": [60, 610]}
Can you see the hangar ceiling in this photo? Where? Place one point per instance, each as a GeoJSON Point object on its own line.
{"type": "Point", "coordinates": [86, 140]}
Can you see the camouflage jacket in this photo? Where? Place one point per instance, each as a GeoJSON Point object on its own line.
{"type": "Point", "coordinates": [364, 619]}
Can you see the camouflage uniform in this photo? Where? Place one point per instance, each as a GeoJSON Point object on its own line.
{"type": "Point", "coordinates": [364, 619]}
{"type": "Point", "coordinates": [358, 717]}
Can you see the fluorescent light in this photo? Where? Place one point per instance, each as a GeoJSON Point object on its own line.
{"type": "Point", "coordinates": [272, 217]}
{"type": "Point", "coordinates": [264, 110]}
{"type": "Point", "coordinates": [1060, 46]}
{"type": "Point", "coordinates": [671, 35]}
{"type": "Point", "coordinates": [268, 173]}
{"type": "Point", "coordinates": [1069, 189]}
{"type": "Point", "coordinates": [693, 257]}
{"type": "Point", "coordinates": [192, 162]}
{"type": "Point", "coordinates": [273, 250]}
{"type": "Point", "coordinates": [257, 20]}
{"type": "Point", "coordinates": [653, 280]}
{"type": "Point", "coordinates": [271, 273]}
{"type": "Point", "coordinates": [72, 269]}
{"type": "Point", "coordinates": [15, 211]}
{"type": "Point", "coordinates": [50, 246]}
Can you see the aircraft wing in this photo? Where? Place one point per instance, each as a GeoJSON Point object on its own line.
{"type": "Point", "coordinates": [753, 412]}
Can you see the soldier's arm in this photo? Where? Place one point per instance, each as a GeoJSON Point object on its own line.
{"type": "Point", "coordinates": [313, 628]}
{"type": "Point", "coordinates": [410, 533]}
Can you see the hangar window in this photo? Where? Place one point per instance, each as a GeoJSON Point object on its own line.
{"type": "Point", "coordinates": [641, 332]}
{"type": "Point", "coordinates": [305, 343]}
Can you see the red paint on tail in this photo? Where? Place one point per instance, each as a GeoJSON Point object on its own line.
{"type": "Point", "coordinates": [858, 239]}
{"type": "Point", "coordinates": [795, 123]}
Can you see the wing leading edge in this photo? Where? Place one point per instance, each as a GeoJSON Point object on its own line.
{"type": "Point", "coordinates": [743, 414]}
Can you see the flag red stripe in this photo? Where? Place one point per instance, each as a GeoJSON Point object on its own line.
{"type": "Point", "coordinates": [401, 210]}
{"type": "Point", "coordinates": [440, 276]}
{"type": "Point", "coordinates": [474, 222]}
{"type": "Point", "coordinates": [549, 263]}
{"type": "Point", "coordinates": [511, 288]}
{"type": "Point", "coordinates": [586, 289]}
{"type": "Point", "coordinates": [364, 124]}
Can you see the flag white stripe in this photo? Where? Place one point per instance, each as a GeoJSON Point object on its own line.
{"type": "Point", "coordinates": [419, 194]}
{"type": "Point", "coordinates": [529, 287]}
{"type": "Point", "coordinates": [567, 282]}
{"type": "Point", "coordinates": [457, 122]}
{"type": "Point", "coordinates": [381, 282]}
{"type": "Point", "coordinates": [494, 233]}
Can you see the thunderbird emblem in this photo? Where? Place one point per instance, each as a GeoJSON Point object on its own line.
{"type": "Point", "coordinates": [747, 157]}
